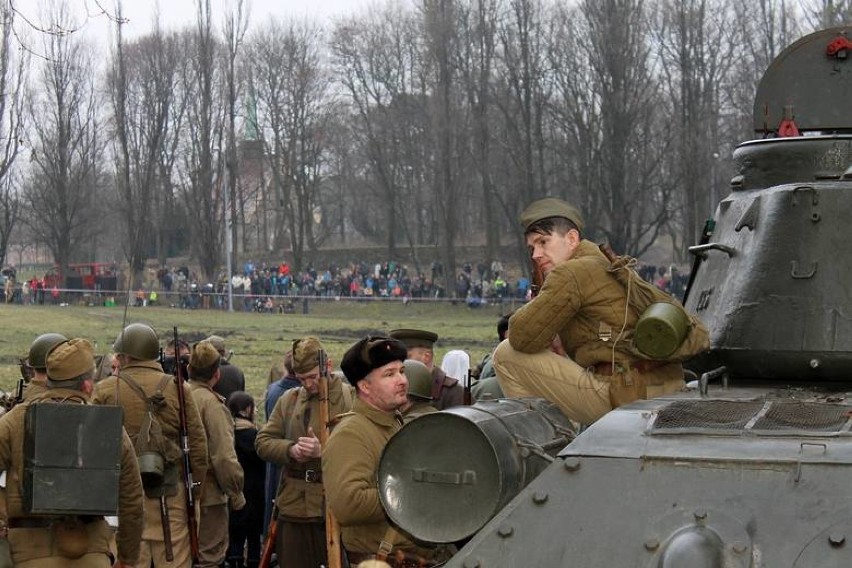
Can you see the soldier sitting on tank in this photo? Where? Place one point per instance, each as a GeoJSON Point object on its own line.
{"type": "Point", "coordinates": [565, 345]}
{"type": "Point", "coordinates": [419, 391]}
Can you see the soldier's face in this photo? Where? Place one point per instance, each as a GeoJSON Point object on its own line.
{"type": "Point", "coordinates": [310, 380]}
{"type": "Point", "coordinates": [422, 354]}
{"type": "Point", "coordinates": [385, 388]}
{"type": "Point", "coordinates": [548, 250]}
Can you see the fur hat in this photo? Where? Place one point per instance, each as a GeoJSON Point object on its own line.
{"type": "Point", "coordinates": [371, 353]}
{"type": "Point", "coordinates": [70, 359]}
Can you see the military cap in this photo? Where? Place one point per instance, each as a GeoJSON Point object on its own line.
{"type": "Point", "coordinates": [550, 207]}
{"type": "Point", "coordinates": [306, 354]}
{"type": "Point", "coordinates": [371, 353]}
{"type": "Point", "coordinates": [217, 342]}
{"type": "Point", "coordinates": [415, 337]}
{"type": "Point", "coordinates": [70, 359]}
{"type": "Point", "coordinates": [204, 355]}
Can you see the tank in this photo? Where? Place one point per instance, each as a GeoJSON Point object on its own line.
{"type": "Point", "coordinates": [751, 468]}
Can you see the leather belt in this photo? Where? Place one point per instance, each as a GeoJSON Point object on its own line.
{"type": "Point", "coordinates": [642, 365]}
{"type": "Point", "coordinates": [308, 475]}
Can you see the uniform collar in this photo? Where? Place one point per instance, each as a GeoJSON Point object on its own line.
{"type": "Point", "coordinates": [378, 417]}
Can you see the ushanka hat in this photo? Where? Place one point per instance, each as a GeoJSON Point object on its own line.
{"type": "Point", "coordinates": [371, 353]}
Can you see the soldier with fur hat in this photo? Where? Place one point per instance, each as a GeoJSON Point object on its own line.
{"type": "Point", "coordinates": [567, 344]}
{"type": "Point", "coordinates": [290, 439]}
{"type": "Point", "coordinates": [374, 365]}
{"type": "Point", "coordinates": [446, 391]}
{"type": "Point", "coordinates": [82, 541]}
{"type": "Point", "coordinates": [223, 485]}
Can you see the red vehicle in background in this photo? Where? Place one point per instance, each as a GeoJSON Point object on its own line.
{"type": "Point", "coordinates": [84, 276]}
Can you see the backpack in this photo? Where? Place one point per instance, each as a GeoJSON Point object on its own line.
{"type": "Point", "coordinates": [155, 453]}
{"type": "Point", "coordinates": [642, 295]}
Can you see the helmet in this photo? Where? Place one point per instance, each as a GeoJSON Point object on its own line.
{"type": "Point", "coordinates": [419, 379]}
{"type": "Point", "coordinates": [41, 347]}
{"type": "Point", "coordinates": [139, 341]}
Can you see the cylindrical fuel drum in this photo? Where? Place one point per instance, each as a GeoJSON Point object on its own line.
{"type": "Point", "coordinates": [444, 475]}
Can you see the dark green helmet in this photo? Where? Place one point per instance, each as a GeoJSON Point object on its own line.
{"type": "Point", "coordinates": [39, 349]}
{"type": "Point", "coordinates": [419, 379]}
{"type": "Point", "coordinates": [139, 341]}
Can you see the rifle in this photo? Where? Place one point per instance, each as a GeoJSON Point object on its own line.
{"type": "Point", "coordinates": [191, 524]}
{"type": "Point", "coordinates": [332, 528]}
{"type": "Point", "coordinates": [271, 535]}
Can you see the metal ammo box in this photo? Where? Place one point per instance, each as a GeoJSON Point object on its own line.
{"type": "Point", "coordinates": [72, 459]}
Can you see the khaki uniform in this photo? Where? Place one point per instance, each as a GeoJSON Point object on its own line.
{"type": "Point", "coordinates": [36, 387]}
{"type": "Point", "coordinates": [419, 408]}
{"type": "Point", "coordinates": [116, 392]}
{"type": "Point", "coordinates": [35, 546]}
{"type": "Point", "coordinates": [446, 391]}
{"type": "Point", "coordinates": [301, 514]}
{"type": "Point", "coordinates": [224, 479]}
{"type": "Point", "coordinates": [350, 463]}
{"type": "Point", "coordinates": [585, 305]}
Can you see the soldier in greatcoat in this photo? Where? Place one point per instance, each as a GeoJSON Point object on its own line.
{"type": "Point", "coordinates": [374, 365]}
{"type": "Point", "coordinates": [290, 438]}
{"type": "Point", "coordinates": [137, 349]}
{"type": "Point", "coordinates": [68, 541]}
{"type": "Point", "coordinates": [223, 484]}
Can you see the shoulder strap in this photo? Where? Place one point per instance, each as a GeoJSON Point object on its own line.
{"type": "Point", "coordinates": [134, 386]}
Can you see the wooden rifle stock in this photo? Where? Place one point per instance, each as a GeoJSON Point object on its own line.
{"type": "Point", "coordinates": [269, 542]}
{"type": "Point", "coordinates": [191, 524]}
{"type": "Point", "coordinates": [332, 529]}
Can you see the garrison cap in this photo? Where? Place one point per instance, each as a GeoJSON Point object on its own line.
{"type": "Point", "coordinates": [371, 353]}
{"type": "Point", "coordinates": [217, 342]}
{"type": "Point", "coordinates": [306, 354]}
{"type": "Point", "coordinates": [415, 337]}
{"type": "Point", "coordinates": [204, 355]}
{"type": "Point", "coordinates": [550, 207]}
{"type": "Point", "coordinates": [70, 359]}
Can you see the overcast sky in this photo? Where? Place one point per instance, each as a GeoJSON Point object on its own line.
{"type": "Point", "coordinates": [176, 14]}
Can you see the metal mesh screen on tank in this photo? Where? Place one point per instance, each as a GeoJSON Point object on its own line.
{"type": "Point", "coordinates": [734, 417]}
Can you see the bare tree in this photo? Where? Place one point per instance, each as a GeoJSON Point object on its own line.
{"type": "Point", "coordinates": [203, 135]}
{"type": "Point", "coordinates": [12, 94]}
{"type": "Point", "coordinates": [65, 172]}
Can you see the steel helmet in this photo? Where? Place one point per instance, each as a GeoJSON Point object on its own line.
{"type": "Point", "coordinates": [39, 349]}
{"type": "Point", "coordinates": [139, 341]}
{"type": "Point", "coordinates": [419, 379]}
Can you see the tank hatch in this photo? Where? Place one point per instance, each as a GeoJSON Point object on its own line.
{"type": "Point", "coordinates": [806, 88]}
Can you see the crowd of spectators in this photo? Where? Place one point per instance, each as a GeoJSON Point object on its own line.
{"type": "Point", "coordinates": [276, 288]}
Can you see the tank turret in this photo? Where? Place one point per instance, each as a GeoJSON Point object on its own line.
{"type": "Point", "coordinates": [749, 472]}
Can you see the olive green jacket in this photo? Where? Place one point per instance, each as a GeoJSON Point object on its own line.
{"type": "Point", "coordinates": [224, 480]}
{"type": "Point", "coordinates": [350, 465]}
{"type": "Point", "coordinates": [587, 307]}
{"type": "Point", "coordinates": [294, 412]}
{"type": "Point", "coordinates": [130, 514]}
{"type": "Point", "coordinates": [417, 409]}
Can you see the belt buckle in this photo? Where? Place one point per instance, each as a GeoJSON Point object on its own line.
{"type": "Point", "coordinates": [311, 475]}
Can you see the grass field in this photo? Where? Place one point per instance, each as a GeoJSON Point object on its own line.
{"type": "Point", "coordinates": [258, 340]}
